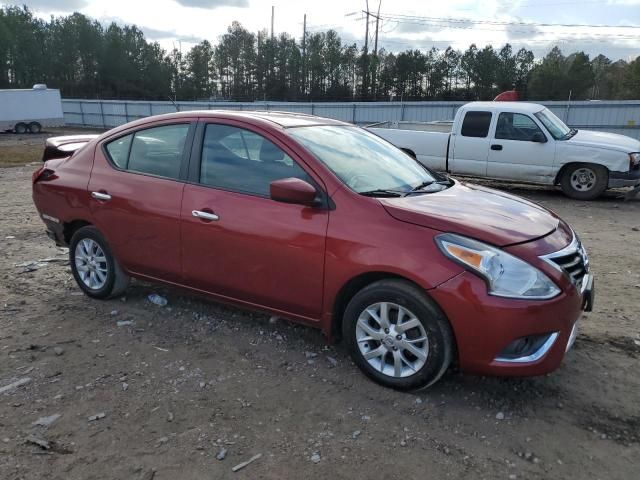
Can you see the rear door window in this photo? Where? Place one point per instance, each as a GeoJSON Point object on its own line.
{"type": "Point", "coordinates": [155, 151]}
{"type": "Point", "coordinates": [476, 124]}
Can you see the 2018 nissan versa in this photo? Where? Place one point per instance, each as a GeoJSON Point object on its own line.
{"type": "Point", "coordinates": [329, 225]}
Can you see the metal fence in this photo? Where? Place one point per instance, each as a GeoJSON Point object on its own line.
{"type": "Point", "coordinates": [621, 116]}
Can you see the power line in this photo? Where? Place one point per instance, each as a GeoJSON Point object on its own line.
{"type": "Point", "coordinates": [496, 22]}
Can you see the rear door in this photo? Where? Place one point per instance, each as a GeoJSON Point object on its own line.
{"type": "Point", "coordinates": [246, 246]}
{"type": "Point", "coordinates": [471, 144]}
{"type": "Point", "coordinates": [513, 155]}
{"type": "Point", "coordinates": [136, 187]}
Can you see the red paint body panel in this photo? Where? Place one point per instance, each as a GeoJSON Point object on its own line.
{"type": "Point", "coordinates": [489, 215]}
{"type": "Point", "coordinates": [295, 260]}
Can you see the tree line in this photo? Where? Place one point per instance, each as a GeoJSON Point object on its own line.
{"type": "Point", "coordinates": [86, 59]}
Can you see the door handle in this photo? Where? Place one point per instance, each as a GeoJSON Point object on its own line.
{"type": "Point", "coordinates": [496, 147]}
{"type": "Point", "coordinates": [205, 215]}
{"type": "Point", "coordinates": [105, 197]}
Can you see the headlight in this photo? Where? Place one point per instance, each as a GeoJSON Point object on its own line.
{"type": "Point", "coordinates": [634, 160]}
{"type": "Point", "coordinates": [506, 275]}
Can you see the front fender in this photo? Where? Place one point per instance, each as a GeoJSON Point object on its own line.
{"type": "Point", "coordinates": [613, 160]}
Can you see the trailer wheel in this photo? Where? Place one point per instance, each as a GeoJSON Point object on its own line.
{"type": "Point", "coordinates": [35, 127]}
{"type": "Point", "coordinates": [20, 128]}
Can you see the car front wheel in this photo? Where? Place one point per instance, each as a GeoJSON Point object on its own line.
{"type": "Point", "coordinates": [397, 335]}
{"type": "Point", "coordinates": [94, 267]}
{"type": "Point", "coordinates": [584, 181]}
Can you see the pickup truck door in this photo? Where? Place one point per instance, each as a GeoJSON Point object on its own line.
{"type": "Point", "coordinates": [520, 150]}
{"type": "Point", "coordinates": [469, 145]}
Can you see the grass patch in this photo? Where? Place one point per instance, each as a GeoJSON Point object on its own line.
{"type": "Point", "coordinates": [14, 155]}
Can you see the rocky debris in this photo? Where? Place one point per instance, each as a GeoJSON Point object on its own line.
{"type": "Point", "coordinates": [124, 323]}
{"type": "Point", "coordinates": [310, 354]}
{"type": "Point", "coordinates": [97, 416]}
{"type": "Point", "coordinates": [157, 300]}
{"type": "Point", "coordinates": [240, 466]}
{"type": "Point", "coordinates": [332, 362]}
{"type": "Point", "coordinates": [356, 434]}
{"type": "Point", "coordinates": [125, 386]}
{"type": "Point", "coordinates": [147, 474]}
{"type": "Point", "coordinates": [14, 385]}
{"type": "Point", "coordinates": [169, 417]}
{"type": "Point", "coordinates": [58, 351]}
{"type": "Point", "coordinates": [499, 416]}
{"type": "Point", "coordinates": [222, 454]}
{"type": "Point", "coordinates": [113, 313]}
{"type": "Point", "coordinates": [273, 320]}
{"type": "Point", "coordinates": [46, 422]}
{"type": "Point", "coordinates": [39, 441]}
{"type": "Point", "coordinates": [315, 457]}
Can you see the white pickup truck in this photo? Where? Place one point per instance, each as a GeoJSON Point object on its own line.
{"type": "Point", "coordinates": [521, 142]}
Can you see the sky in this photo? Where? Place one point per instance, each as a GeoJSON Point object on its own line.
{"type": "Point", "coordinates": [404, 24]}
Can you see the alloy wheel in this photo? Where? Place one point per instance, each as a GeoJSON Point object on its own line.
{"type": "Point", "coordinates": [91, 264]}
{"type": "Point", "coordinates": [392, 339]}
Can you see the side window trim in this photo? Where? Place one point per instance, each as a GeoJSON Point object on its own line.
{"type": "Point", "coordinates": [186, 152]}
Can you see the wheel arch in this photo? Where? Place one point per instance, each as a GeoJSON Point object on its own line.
{"type": "Point", "coordinates": [568, 165]}
{"type": "Point", "coordinates": [353, 286]}
{"type": "Point", "coordinates": [69, 228]}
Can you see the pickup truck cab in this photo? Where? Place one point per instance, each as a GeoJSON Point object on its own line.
{"type": "Point", "coordinates": [522, 142]}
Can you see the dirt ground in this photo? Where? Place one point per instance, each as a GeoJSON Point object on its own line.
{"type": "Point", "coordinates": [159, 392]}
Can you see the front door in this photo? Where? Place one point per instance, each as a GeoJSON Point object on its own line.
{"type": "Point", "coordinates": [136, 189]}
{"type": "Point", "coordinates": [237, 242]}
{"type": "Point", "coordinates": [514, 155]}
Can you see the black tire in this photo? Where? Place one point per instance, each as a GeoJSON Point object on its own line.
{"type": "Point", "coordinates": [20, 128]}
{"type": "Point", "coordinates": [116, 280]}
{"type": "Point", "coordinates": [35, 127]}
{"type": "Point", "coordinates": [435, 324]}
{"type": "Point", "coordinates": [584, 181]}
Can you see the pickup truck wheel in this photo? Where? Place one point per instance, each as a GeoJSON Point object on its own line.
{"type": "Point", "coordinates": [20, 128]}
{"type": "Point", "coordinates": [35, 127]}
{"type": "Point", "coordinates": [397, 335]}
{"type": "Point", "coordinates": [94, 267]}
{"type": "Point", "coordinates": [584, 181]}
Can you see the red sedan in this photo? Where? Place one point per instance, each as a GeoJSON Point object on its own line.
{"type": "Point", "coordinates": [324, 223]}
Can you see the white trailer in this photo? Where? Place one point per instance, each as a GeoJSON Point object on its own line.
{"type": "Point", "coordinates": [29, 110]}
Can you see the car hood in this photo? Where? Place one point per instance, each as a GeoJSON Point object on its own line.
{"type": "Point", "coordinates": [478, 212]}
{"type": "Point", "coordinates": [610, 141]}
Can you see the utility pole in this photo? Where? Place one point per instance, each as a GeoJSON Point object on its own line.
{"type": "Point", "coordinates": [365, 69]}
{"type": "Point", "coordinates": [273, 12]}
{"type": "Point", "coordinates": [304, 55]}
{"type": "Point", "coordinates": [375, 54]}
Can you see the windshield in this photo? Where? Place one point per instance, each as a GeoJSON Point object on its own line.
{"type": "Point", "coordinates": [554, 125]}
{"type": "Point", "coordinates": [363, 161]}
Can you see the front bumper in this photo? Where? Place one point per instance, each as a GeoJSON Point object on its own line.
{"type": "Point", "coordinates": [624, 179]}
{"type": "Point", "coordinates": [484, 325]}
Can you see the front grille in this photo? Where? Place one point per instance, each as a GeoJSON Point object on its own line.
{"type": "Point", "coordinates": [572, 260]}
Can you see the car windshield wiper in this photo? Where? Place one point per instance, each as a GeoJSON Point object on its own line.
{"type": "Point", "coordinates": [380, 192]}
{"type": "Point", "coordinates": [420, 188]}
{"type": "Point", "coordinates": [570, 134]}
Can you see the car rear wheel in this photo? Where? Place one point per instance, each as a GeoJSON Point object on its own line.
{"type": "Point", "coordinates": [397, 335]}
{"type": "Point", "coordinates": [584, 181]}
{"type": "Point", "coordinates": [20, 128]}
{"type": "Point", "coordinates": [94, 267]}
{"type": "Point", "coordinates": [35, 127]}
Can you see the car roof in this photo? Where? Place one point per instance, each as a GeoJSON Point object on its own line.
{"type": "Point", "coordinates": [519, 107]}
{"type": "Point", "coordinates": [281, 119]}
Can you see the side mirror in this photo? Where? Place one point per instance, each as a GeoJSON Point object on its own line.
{"type": "Point", "coordinates": [293, 190]}
{"type": "Point", "coordinates": [539, 137]}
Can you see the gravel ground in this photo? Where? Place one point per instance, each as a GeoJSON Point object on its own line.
{"type": "Point", "coordinates": [126, 389]}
